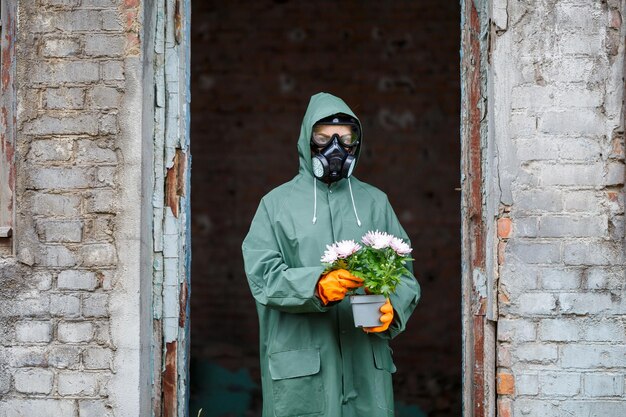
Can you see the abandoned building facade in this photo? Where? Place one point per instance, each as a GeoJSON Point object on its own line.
{"type": "Point", "coordinates": [95, 213]}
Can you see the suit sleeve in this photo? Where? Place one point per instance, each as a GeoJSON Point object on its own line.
{"type": "Point", "coordinates": [272, 282]}
{"type": "Point", "coordinates": [408, 292]}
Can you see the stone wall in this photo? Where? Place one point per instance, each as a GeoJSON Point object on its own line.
{"type": "Point", "coordinates": [69, 304]}
{"type": "Point", "coordinates": [557, 91]}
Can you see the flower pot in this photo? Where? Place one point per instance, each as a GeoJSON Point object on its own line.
{"type": "Point", "coordinates": [366, 309]}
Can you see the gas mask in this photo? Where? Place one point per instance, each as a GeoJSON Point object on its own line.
{"type": "Point", "coordinates": [331, 161]}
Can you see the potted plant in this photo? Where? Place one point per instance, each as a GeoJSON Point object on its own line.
{"type": "Point", "coordinates": [380, 262]}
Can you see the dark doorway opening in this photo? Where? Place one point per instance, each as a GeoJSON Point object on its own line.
{"type": "Point", "coordinates": [254, 67]}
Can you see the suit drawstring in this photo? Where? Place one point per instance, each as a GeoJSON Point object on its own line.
{"type": "Point", "coordinates": [358, 222]}
{"type": "Point", "coordinates": [314, 200]}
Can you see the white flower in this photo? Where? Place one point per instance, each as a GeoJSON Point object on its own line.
{"type": "Point", "coordinates": [402, 248]}
{"type": "Point", "coordinates": [330, 255]}
{"type": "Point", "coordinates": [345, 248]}
{"type": "Point", "coordinates": [377, 240]}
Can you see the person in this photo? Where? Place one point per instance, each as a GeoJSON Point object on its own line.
{"type": "Point", "coordinates": [314, 361]}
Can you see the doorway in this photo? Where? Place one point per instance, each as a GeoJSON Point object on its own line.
{"type": "Point", "coordinates": [254, 67]}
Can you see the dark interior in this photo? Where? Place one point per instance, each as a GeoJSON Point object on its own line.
{"type": "Point", "coordinates": [254, 67]}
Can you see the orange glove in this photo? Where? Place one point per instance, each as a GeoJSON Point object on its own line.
{"type": "Point", "coordinates": [334, 285]}
{"type": "Point", "coordinates": [385, 318]}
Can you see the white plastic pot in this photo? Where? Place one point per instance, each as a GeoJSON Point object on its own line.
{"type": "Point", "coordinates": [366, 309]}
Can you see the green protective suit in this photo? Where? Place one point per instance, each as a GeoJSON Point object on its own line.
{"type": "Point", "coordinates": [314, 362]}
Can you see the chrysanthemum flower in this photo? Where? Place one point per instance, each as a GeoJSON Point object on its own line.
{"type": "Point", "coordinates": [345, 248]}
{"type": "Point", "coordinates": [401, 247]}
{"type": "Point", "coordinates": [330, 254]}
{"type": "Point", "coordinates": [377, 240]}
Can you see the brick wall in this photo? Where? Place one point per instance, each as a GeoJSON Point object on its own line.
{"type": "Point", "coordinates": [61, 340]}
{"type": "Point", "coordinates": [68, 325]}
{"type": "Point", "coordinates": [254, 67]}
{"type": "Point", "coordinates": [558, 88]}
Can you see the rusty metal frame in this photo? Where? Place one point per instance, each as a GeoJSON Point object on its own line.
{"type": "Point", "coordinates": [479, 298]}
{"type": "Point", "coordinates": [8, 13]}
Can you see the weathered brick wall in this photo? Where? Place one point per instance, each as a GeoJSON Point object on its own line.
{"type": "Point", "coordinates": [557, 97]}
{"type": "Point", "coordinates": [254, 68]}
{"type": "Point", "coordinates": [61, 301]}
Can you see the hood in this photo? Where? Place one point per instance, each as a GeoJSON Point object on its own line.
{"type": "Point", "coordinates": [321, 105]}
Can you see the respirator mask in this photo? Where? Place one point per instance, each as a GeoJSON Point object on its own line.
{"type": "Point", "coordinates": [331, 160]}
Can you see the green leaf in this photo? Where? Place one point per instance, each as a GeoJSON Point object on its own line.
{"type": "Point", "coordinates": [380, 269]}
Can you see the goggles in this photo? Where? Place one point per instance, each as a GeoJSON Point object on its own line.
{"type": "Point", "coordinates": [348, 140]}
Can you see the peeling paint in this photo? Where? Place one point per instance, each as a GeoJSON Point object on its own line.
{"type": "Point", "coordinates": [7, 52]}
{"type": "Point", "coordinates": [178, 21]}
{"type": "Point", "coordinates": [478, 372]}
{"type": "Point", "coordinates": [170, 381]}
{"type": "Point", "coordinates": [175, 181]}
{"type": "Point", "coordinates": [7, 126]}
{"type": "Point", "coordinates": [171, 186]}
{"type": "Point", "coordinates": [157, 286]}
{"type": "Point", "coordinates": [171, 202]}
{"type": "Point", "coordinates": [156, 374]}
{"type": "Point", "coordinates": [478, 330]}
{"type": "Point", "coordinates": [182, 315]}
{"type": "Point", "coordinates": [182, 169]}
{"type": "Point", "coordinates": [479, 281]}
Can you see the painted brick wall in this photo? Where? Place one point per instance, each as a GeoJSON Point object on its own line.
{"type": "Point", "coordinates": [557, 96]}
{"type": "Point", "coordinates": [254, 67]}
{"type": "Point", "coordinates": [60, 311]}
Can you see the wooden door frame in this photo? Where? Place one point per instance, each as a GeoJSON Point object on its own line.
{"type": "Point", "coordinates": [171, 186]}
{"type": "Point", "coordinates": [167, 60]}
{"type": "Point", "coordinates": [479, 293]}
